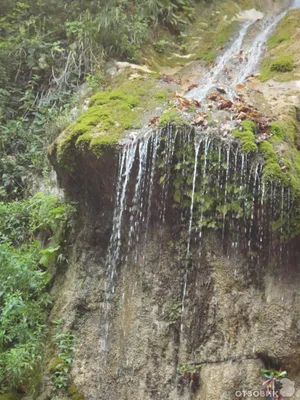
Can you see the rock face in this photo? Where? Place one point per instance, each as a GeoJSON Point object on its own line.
{"type": "Point", "coordinates": [231, 329]}
{"type": "Point", "coordinates": [137, 342]}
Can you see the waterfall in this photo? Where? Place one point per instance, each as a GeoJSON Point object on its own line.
{"type": "Point", "coordinates": [255, 51]}
{"type": "Point", "coordinates": [190, 181]}
{"type": "Point", "coordinates": [252, 55]}
{"type": "Point", "coordinates": [213, 78]}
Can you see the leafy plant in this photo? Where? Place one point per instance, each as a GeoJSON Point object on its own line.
{"type": "Point", "coordinates": [65, 343]}
{"type": "Point", "coordinates": [24, 301]}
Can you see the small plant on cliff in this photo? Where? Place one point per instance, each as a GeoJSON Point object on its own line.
{"type": "Point", "coordinates": [173, 311]}
{"type": "Point", "coordinates": [272, 382]}
{"type": "Point", "coordinates": [62, 364]}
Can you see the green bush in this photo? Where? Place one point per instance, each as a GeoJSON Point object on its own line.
{"type": "Point", "coordinates": [282, 64]}
{"type": "Point", "coordinates": [24, 300]}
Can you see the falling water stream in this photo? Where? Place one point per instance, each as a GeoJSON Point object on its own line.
{"type": "Point", "coordinates": [150, 161]}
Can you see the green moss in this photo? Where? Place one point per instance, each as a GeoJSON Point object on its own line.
{"type": "Point", "coordinates": [215, 37]}
{"type": "Point", "coordinates": [73, 392]}
{"type": "Point", "coordinates": [161, 96]}
{"type": "Point", "coordinates": [110, 113]}
{"type": "Point", "coordinates": [9, 396]}
{"type": "Point", "coordinates": [275, 40]}
{"type": "Point", "coordinates": [282, 58]}
{"type": "Point", "coordinates": [281, 65]}
{"type": "Point", "coordinates": [249, 126]}
{"type": "Point", "coordinates": [278, 130]}
{"type": "Point", "coordinates": [172, 116]}
{"type": "Point", "coordinates": [283, 31]}
{"type": "Point", "coordinates": [57, 365]}
{"type": "Point", "coordinates": [207, 55]}
{"type": "Point", "coordinates": [247, 136]}
{"type": "Point", "coordinates": [272, 170]}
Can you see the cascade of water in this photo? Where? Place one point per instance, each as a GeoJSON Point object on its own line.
{"type": "Point", "coordinates": [213, 78]}
{"type": "Point", "coordinates": [136, 211]}
{"type": "Point", "coordinates": [128, 156]}
{"type": "Point", "coordinates": [197, 147]}
{"type": "Point", "coordinates": [204, 183]}
{"type": "Point", "coordinates": [261, 227]}
{"type": "Point", "coordinates": [256, 175]}
{"type": "Point", "coordinates": [256, 49]}
{"type": "Point", "coordinates": [226, 189]}
{"type": "Point", "coordinates": [248, 65]}
{"type": "Point", "coordinates": [197, 144]}
{"type": "Point", "coordinates": [281, 217]}
{"type": "Point", "coordinates": [169, 152]}
{"type": "Point", "coordinates": [241, 174]}
{"type": "Point", "coordinates": [125, 165]}
{"type": "Point", "coordinates": [155, 140]}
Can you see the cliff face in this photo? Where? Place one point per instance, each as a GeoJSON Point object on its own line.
{"type": "Point", "coordinates": [232, 327]}
{"type": "Point", "coordinates": [167, 315]}
{"type": "Point", "coordinates": [183, 273]}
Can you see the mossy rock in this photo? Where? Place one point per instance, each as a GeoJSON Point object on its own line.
{"type": "Point", "coordinates": [246, 133]}
{"type": "Point", "coordinates": [73, 392]}
{"type": "Point", "coordinates": [109, 115]}
{"type": "Point", "coordinates": [173, 117]}
{"type": "Point", "coordinates": [272, 170]}
{"type": "Point", "coordinates": [278, 130]}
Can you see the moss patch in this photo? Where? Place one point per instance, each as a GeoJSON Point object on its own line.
{"type": "Point", "coordinates": [281, 61]}
{"type": "Point", "coordinates": [283, 31]}
{"type": "Point", "coordinates": [271, 68]}
{"type": "Point", "coordinates": [172, 116]}
{"type": "Point", "coordinates": [246, 133]}
{"type": "Point", "coordinates": [282, 64]}
{"type": "Point", "coordinates": [73, 392]}
{"type": "Point", "coordinates": [278, 130]}
{"type": "Point", "coordinates": [9, 396]}
{"type": "Point", "coordinates": [57, 365]}
{"type": "Point", "coordinates": [272, 170]}
{"type": "Point", "coordinates": [109, 115]}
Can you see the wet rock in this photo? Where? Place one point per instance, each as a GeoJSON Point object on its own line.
{"type": "Point", "coordinates": [213, 96]}
{"type": "Point", "coordinates": [221, 90]}
{"type": "Point", "coordinates": [224, 104]}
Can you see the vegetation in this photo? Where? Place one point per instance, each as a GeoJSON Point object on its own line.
{"type": "Point", "coordinates": [24, 300]}
{"type": "Point", "coordinates": [280, 65]}
{"type": "Point", "coordinates": [109, 114]}
{"type": "Point", "coordinates": [283, 50]}
{"type": "Point", "coordinates": [46, 50]}
{"type": "Point", "coordinates": [171, 116]}
{"type": "Point", "coordinates": [247, 135]}
{"type": "Point", "coordinates": [284, 31]}
{"type": "Point", "coordinates": [61, 365]}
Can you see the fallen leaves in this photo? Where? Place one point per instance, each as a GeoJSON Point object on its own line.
{"type": "Point", "coordinates": [154, 121]}
{"type": "Point", "coordinates": [224, 104]}
{"type": "Point", "coordinates": [183, 103]}
{"type": "Point", "coordinates": [192, 86]}
{"type": "Point", "coordinates": [170, 79]}
{"type": "Point", "coordinates": [199, 120]}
